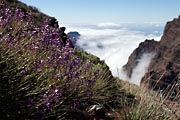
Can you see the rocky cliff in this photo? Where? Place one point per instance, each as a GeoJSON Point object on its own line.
{"type": "Point", "coordinates": [164, 70]}
{"type": "Point", "coordinates": [148, 46]}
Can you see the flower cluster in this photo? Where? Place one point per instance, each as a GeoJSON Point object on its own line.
{"type": "Point", "coordinates": [60, 76]}
{"type": "Point", "coordinates": [9, 15]}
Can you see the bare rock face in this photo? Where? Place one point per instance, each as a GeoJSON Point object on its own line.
{"type": "Point", "coordinates": [148, 46]}
{"type": "Point", "coordinates": [164, 70]}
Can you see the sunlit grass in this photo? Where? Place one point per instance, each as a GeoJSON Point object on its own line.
{"type": "Point", "coordinates": [150, 104]}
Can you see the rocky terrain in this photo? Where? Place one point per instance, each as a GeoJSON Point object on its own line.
{"type": "Point", "coordinates": [164, 70]}
{"type": "Point", "coordinates": [148, 46]}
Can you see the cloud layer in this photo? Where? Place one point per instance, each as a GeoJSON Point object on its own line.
{"type": "Point", "coordinates": [109, 24]}
{"type": "Point", "coordinates": [141, 68]}
{"type": "Point", "coordinates": [114, 43]}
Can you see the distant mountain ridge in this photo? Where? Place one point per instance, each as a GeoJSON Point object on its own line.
{"type": "Point", "coordinates": [74, 36]}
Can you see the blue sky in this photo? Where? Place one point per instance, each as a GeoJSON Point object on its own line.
{"type": "Point", "coordinates": [117, 11]}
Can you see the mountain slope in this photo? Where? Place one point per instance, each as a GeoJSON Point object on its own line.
{"type": "Point", "coordinates": [164, 69]}
{"type": "Point", "coordinates": [43, 77]}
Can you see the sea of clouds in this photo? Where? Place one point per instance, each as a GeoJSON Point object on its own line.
{"type": "Point", "coordinates": [114, 43]}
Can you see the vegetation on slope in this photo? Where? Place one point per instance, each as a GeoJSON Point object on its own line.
{"type": "Point", "coordinates": [152, 105]}
{"type": "Point", "coordinates": [43, 78]}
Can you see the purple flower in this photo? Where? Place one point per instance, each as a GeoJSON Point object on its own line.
{"type": "Point", "coordinates": [38, 64]}
{"type": "Point", "coordinates": [48, 52]}
{"type": "Point", "coordinates": [96, 74]}
{"type": "Point", "coordinates": [86, 65]}
{"type": "Point", "coordinates": [9, 39]}
{"type": "Point", "coordinates": [17, 11]}
{"type": "Point", "coordinates": [24, 70]}
{"type": "Point", "coordinates": [58, 75]}
{"type": "Point", "coordinates": [75, 62]}
{"type": "Point", "coordinates": [75, 104]}
{"type": "Point", "coordinates": [31, 102]}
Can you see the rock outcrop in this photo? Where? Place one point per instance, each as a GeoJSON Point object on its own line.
{"type": "Point", "coordinates": [148, 46]}
{"type": "Point", "coordinates": [164, 70]}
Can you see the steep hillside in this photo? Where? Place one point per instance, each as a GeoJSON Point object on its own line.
{"type": "Point", "coordinates": [164, 70]}
{"type": "Point", "coordinates": [43, 77]}
{"type": "Point", "coordinates": [37, 16]}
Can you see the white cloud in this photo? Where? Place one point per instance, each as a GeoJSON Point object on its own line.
{"type": "Point", "coordinates": [112, 45]}
{"type": "Point", "coordinates": [108, 24]}
{"type": "Point", "coordinates": [155, 24]}
{"type": "Point", "coordinates": [141, 68]}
